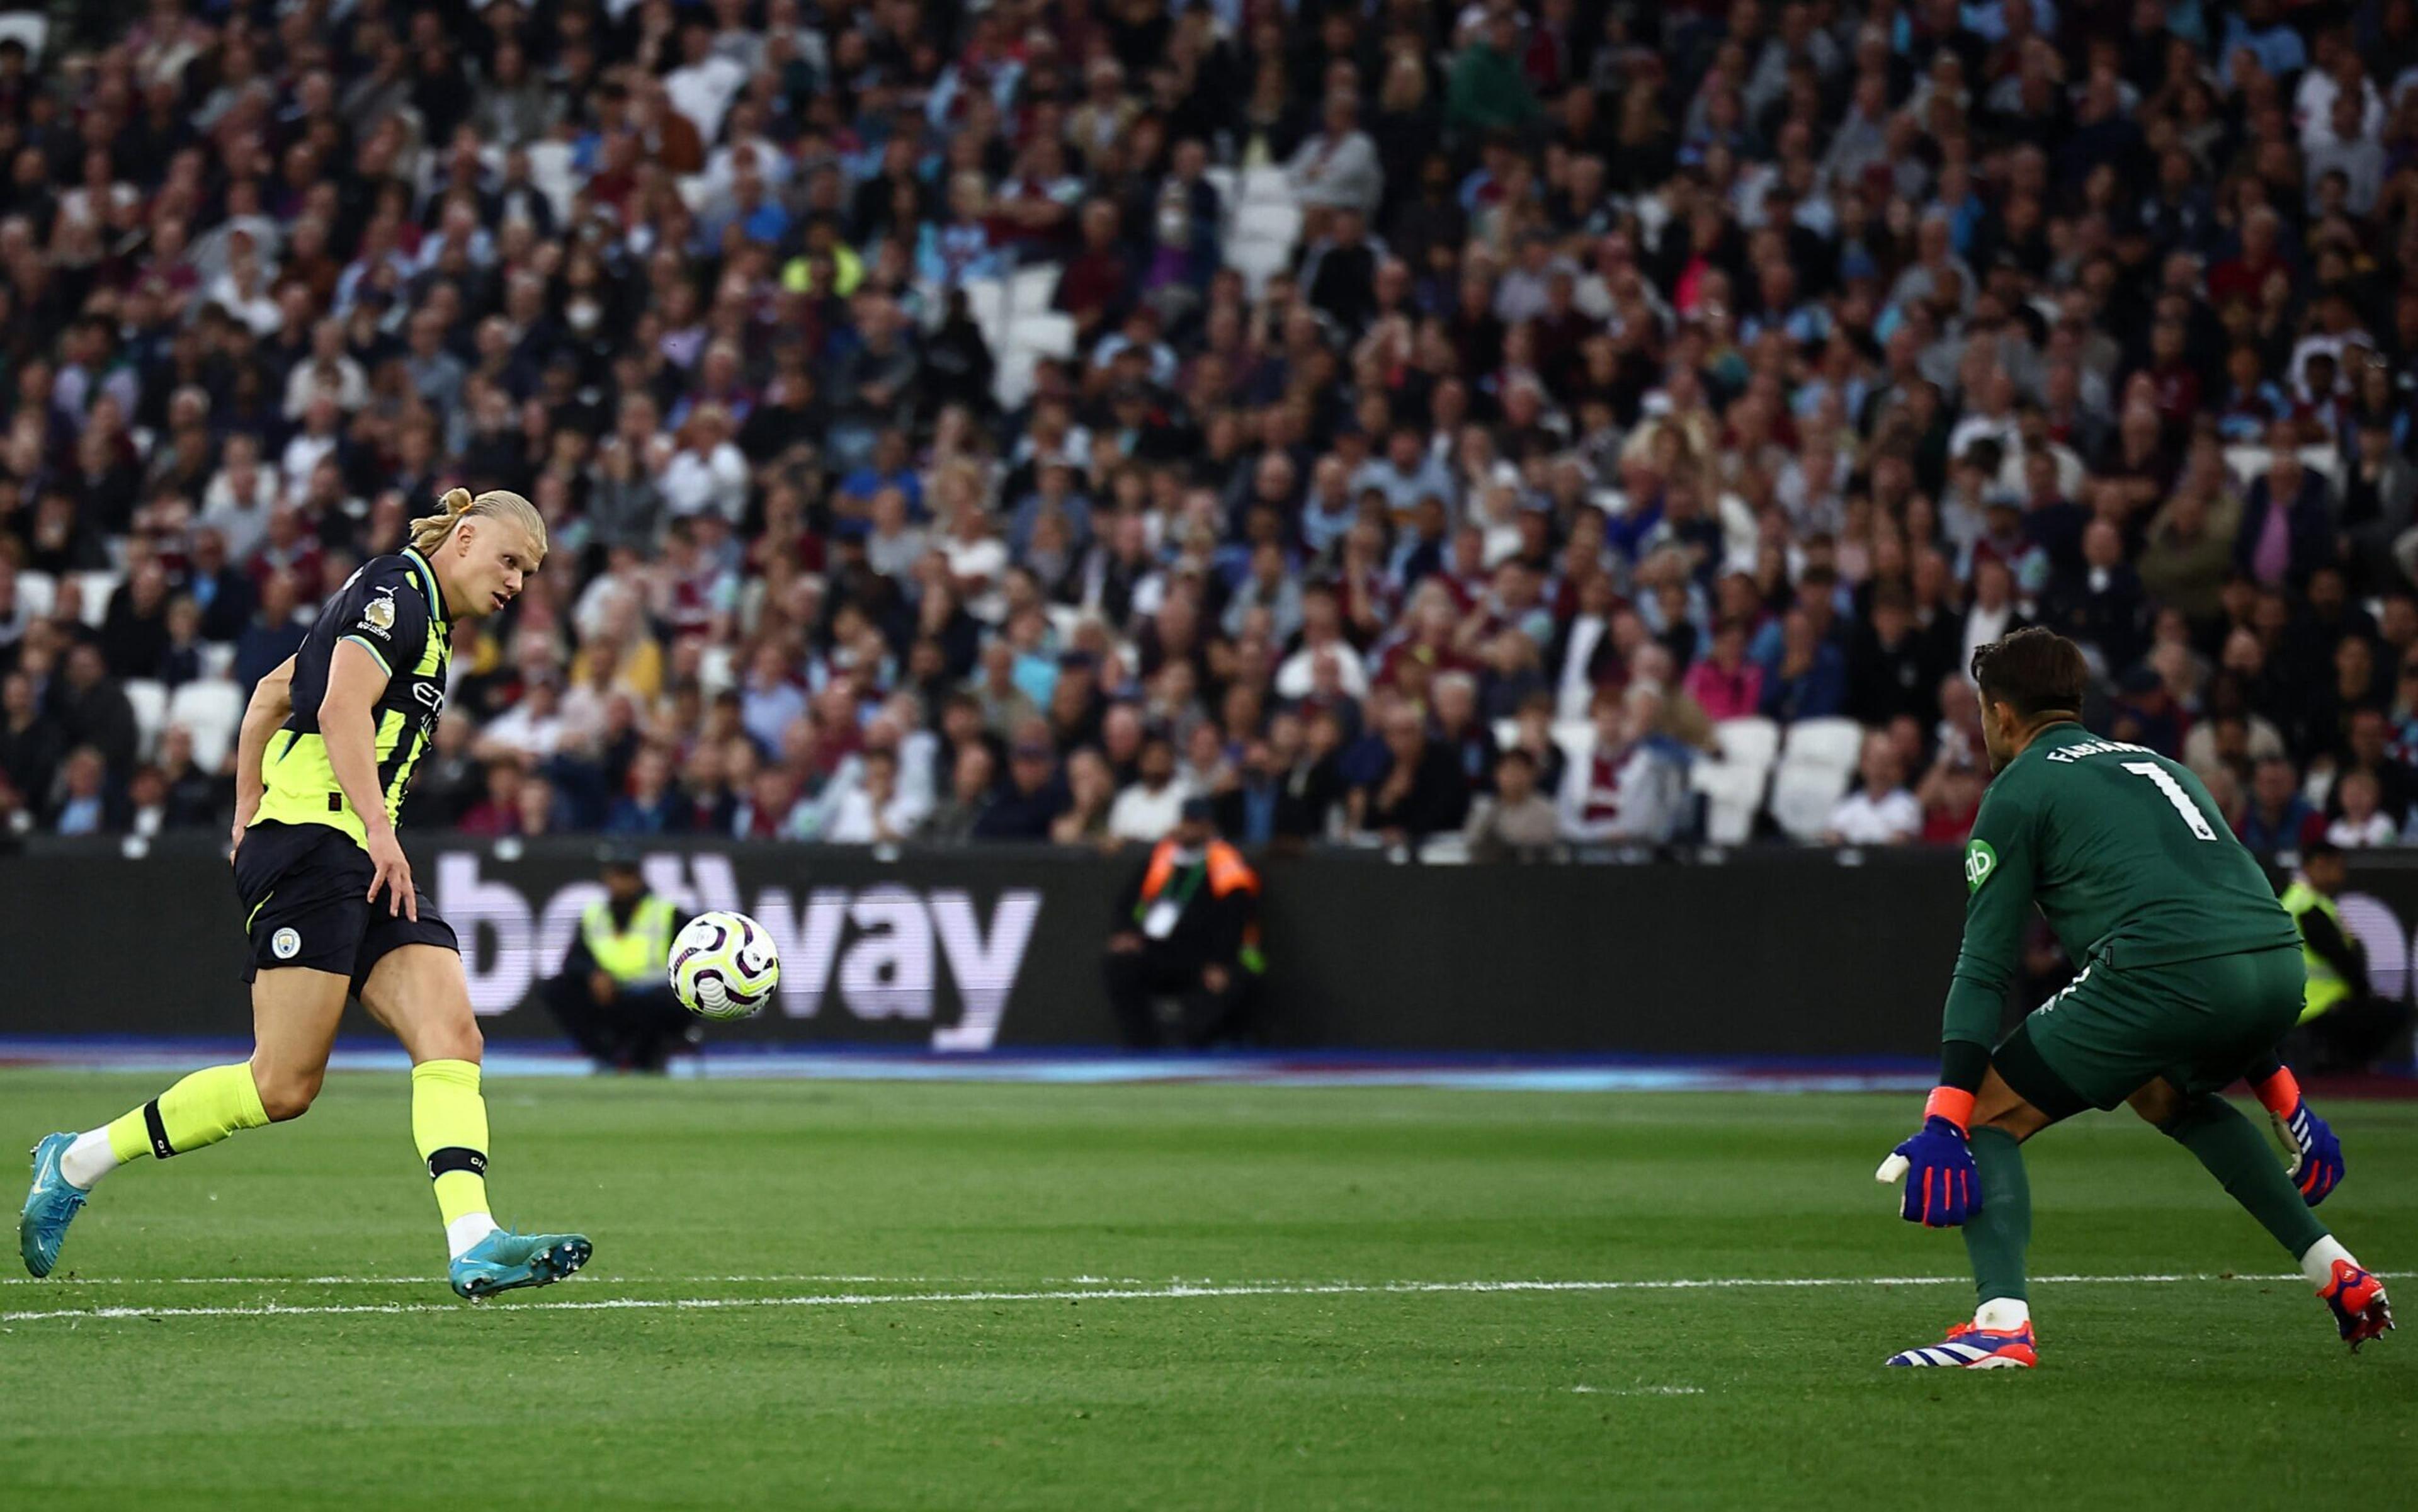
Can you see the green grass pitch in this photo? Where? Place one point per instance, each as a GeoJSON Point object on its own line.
{"type": "Point", "coordinates": [886, 1296]}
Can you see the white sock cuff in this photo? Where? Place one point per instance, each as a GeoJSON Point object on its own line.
{"type": "Point", "coordinates": [2318, 1265]}
{"type": "Point", "coordinates": [467, 1230]}
{"type": "Point", "coordinates": [90, 1158]}
{"type": "Point", "coordinates": [2003, 1315]}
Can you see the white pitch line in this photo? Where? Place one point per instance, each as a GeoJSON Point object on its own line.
{"type": "Point", "coordinates": [587, 1278]}
{"type": "Point", "coordinates": [1166, 1293]}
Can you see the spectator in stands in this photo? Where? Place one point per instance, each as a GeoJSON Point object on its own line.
{"type": "Point", "coordinates": [93, 711]}
{"type": "Point", "coordinates": [1734, 349]}
{"type": "Point", "coordinates": [1808, 679]}
{"type": "Point", "coordinates": [1623, 789]}
{"type": "Point", "coordinates": [1514, 821]}
{"type": "Point", "coordinates": [190, 798]}
{"type": "Point", "coordinates": [969, 796]}
{"type": "Point", "coordinates": [1147, 808]}
{"type": "Point", "coordinates": [1880, 811]}
{"type": "Point", "coordinates": [2286, 529]}
{"type": "Point", "coordinates": [2361, 826]}
{"type": "Point", "coordinates": [1723, 682]}
{"type": "Point", "coordinates": [2278, 820]}
{"type": "Point", "coordinates": [1419, 789]}
{"type": "Point", "coordinates": [82, 805]}
{"type": "Point", "coordinates": [1034, 793]}
{"type": "Point", "coordinates": [1091, 795]}
{"type": "Point", "coordinates": [31, 743]}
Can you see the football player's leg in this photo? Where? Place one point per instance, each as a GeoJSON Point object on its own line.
{"type": "Point", "coordinates": [1997, 1236]}
{"type": "Point", "coordinates": [419, 991]}
{"type": "Point", "coordinates": [294, 1016]}
{"type": "Point", "coordinates": [2237, 1155]}
{"type": "Point", "coordinates": [294, 1012]}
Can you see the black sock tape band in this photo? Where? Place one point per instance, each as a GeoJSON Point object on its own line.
{"type": "Point", "coordinates": [161, 1148]}
{"type": "Point", "coordinates": [455, 1157]}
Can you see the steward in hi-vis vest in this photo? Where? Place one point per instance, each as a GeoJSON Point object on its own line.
{"type": "Point", "coordinates": [2345, 1025]}
{"type": "Point", "coordinates": [612, 996]}
{"type": "Point", "coordinates": [1184, 955]}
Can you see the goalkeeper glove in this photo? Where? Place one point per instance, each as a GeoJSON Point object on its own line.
{"type": "Point", "coordinates": [2318, 1161]}
{"type": "Point", "coordinates": [1942, 1186]}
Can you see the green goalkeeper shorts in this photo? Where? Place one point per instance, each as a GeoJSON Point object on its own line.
{"type": "Point", "coordinates": [2198, 1024]}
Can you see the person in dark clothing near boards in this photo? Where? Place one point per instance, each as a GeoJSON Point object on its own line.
{"type": "Point", "coordinates": [2343, 1026]}
{"type": "Point", "coordinates": [1184, 957]}
{"type": "Point", "coordinates": [612, 996]}
{"type": "Point", "coordinates": [1423, 790]}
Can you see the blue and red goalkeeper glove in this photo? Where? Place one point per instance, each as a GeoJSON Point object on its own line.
{"type": "Point", "coordinates": [2318, 1168]}
{"type": "Point", "coordinates": [1942, 1187]}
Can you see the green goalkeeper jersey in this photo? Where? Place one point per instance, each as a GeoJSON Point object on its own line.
{"type": "Point", "coordinates": [2126, 855]}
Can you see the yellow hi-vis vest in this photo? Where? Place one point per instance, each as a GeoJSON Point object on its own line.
{"type": "Point", "coordinates": [637, 956]}
{"type": "Point", "coordinates": [2326, 986]}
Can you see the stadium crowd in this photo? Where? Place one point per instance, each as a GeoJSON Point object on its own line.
{"type": "Point", "coordinates": [1393, 421]}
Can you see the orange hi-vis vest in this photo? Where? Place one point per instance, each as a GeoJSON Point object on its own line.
{"type": "Point", "coordinates": [1228, 873]}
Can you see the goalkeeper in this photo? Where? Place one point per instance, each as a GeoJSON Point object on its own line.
{"type": "Point", "coordinates": [2190, 973]}
{"type": "Point", "coordinates": [327, 750]}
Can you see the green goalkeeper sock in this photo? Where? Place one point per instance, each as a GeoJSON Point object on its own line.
{"type": "Point", "coordinates": [1997, 1237]}
{"type": "Point", "coordinates": [2239, 1158]}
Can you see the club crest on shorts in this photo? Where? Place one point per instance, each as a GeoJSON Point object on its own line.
{"type": "Point", "coordinates": [286, 945]}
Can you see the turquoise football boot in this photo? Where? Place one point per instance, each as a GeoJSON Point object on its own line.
{"type": "Point", "coordinates": [504, 1261]}
{"type": "Point", "coordinates": [51, 1204]}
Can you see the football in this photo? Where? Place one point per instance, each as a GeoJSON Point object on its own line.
{"type": "Point", "coordinates": [724, 965]}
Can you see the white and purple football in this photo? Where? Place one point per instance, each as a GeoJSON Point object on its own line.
{"type": "Point", "coordinates": [724, 965]}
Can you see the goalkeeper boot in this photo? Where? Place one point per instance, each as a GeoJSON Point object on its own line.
{"type": "Point", "coordinates": [505, 1260]}
{"type": "Point", "coordinates": [2357, 1298]}
{"type": "Point", "coordinates": [1970, 1347]}
{"type": "Point", "coordinates": [51, 1205]}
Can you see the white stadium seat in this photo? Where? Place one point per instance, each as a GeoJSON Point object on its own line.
{"type": "Point", "coordinates": [550, 172]}
{"type": "Point", "coordinates": [1750, 741]}
{"type": "Point", "coordinates": [1835, 743]}
{"type": "Point", "coordinates": [1030, 289]}
{"type": "Point", "coordinates": [211, 711]}
{"type": "Point", "coordinates": [1576, 736]}
{"type": "Point", "coordinates": [30, 27]}
{"type": "Point", "coordinates": [37, 594]}
{"type": "Point", "coordinates": [1734, 784]}
{"type": "Point", "coordinates": [1043, 331]}
{"type": "Point", "coordinates": [1804, 796]}
{"type": "Point", "coordinates": [1278, 223]}
{"type": "Point", "coordinates": [96, 588]}
{"type": "Point", "coordinates": [1733, 792]}
{"type": "Point", "coordinates": [1266, 186]}
{"type": "Point", "coordinates": [150, 701]}
{"type": "Point", "coordinates": [987, 301]}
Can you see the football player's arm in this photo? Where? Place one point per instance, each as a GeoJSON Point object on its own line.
{"type": "Point", "coordinates": [357, 679]}
{"type": "Point", "coordinates": [272, 701]}
{"type": "Point", "coordinates": [1999, 875]}
{"type": "Point", "coordinates": [1942, 1186]}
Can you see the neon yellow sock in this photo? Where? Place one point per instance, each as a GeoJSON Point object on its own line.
{"type": "Point", "coordinates": [449, 1123]}
{"type": "Point", "coordinates": [200, 1110]}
